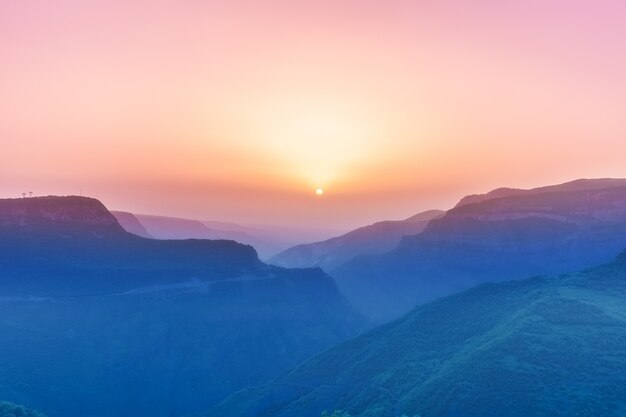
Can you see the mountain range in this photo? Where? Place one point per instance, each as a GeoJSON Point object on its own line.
{"type": "Point", "coordinates": [368, 240]}
{"type": "Point", "coordinates": [504, 235]}
{"type": "Point", "coordinates": [543, 346]}
{"type": "Point", "coordinates": [96, 321]}
{"type": "Point", "coordinates": [267, 240]}
{"type": "Point", "coordinates": [126, 314]}
{"type": "Point", "coordinates": [164, 227]}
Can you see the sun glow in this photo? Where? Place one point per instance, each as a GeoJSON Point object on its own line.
{"type": "Point", "coordinates": [319, 138]}
{"type": "Point", "coordinates": [319, 191]}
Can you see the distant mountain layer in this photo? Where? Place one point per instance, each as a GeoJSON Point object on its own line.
{"type": "Point", "coordinates": [131, 224]}
{"type": "Point", "coordinates": [535, 347]}
{"type": "Point", "coordinates": [163, 227]}
{"type": "Point", "coordinates": [377, 238]}
{"type": "Point", "coordinates": [558, 229]}
{"type": "Point", "coordinates": [123, 325]}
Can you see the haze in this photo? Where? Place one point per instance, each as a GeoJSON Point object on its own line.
{"type": "Point", "coordinates": [240, 110]}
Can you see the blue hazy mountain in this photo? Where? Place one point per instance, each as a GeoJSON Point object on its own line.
{"type": "Point", "coordinates": [266, 241]}
{"type": "Point", "coordinates": [131, 224]}
{"type": "Point", "coordinates": [508, 234]}
{"type": "Point", "coordinates": [376, 238]}
{"type": "Point", "coordinates": [534, 347]}
{"type": "Point", "coordinates": [95, 321]}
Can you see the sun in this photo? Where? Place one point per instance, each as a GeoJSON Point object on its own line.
{"type": "Point", "coordinates": [319, 191]}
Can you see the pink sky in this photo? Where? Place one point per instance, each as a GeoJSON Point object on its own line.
{"type": "Point", "coordinates": [239, 110]}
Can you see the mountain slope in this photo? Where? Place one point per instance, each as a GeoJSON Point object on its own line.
{"type": "Point", "coordinates": [540, 346]}
{"type": "Point", "coordinates": [496, 239]}
{"type": "Point", "coordinates": [131, 224]}
{"type": "Point", "coordinates": [124, 325]}
{"type": "Point", "coordinates": [163, 227]}
{"type": "Point", "coordinates": [376, 238]}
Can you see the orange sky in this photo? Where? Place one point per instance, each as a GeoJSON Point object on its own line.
{"type": "Point", "coordinates": [239, 110]}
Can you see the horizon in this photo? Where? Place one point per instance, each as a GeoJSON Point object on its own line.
{"type": "Point", "coordinates": [239, 112]}
{"type": "Point", "coordinates": [299, 234]}
{"type": "Point", "coordinates": [330, 232]}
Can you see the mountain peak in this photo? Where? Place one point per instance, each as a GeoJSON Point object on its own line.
{"type": "Point", "coordinates": [426, 216]}
{"type": "Point", "coordinates": [51, 210]}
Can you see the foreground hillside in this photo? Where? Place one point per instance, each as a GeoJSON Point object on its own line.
{"type": "Point", "coordinates": [8, 409]}
{"type": "Point", "coordinates": [509, 235]}
{"type": "Point", "coordinates": [376, 238]}
{"type": "Point", "coordinates": [95, 321]}
{"type": "Point", "coordinates": [535, 347]}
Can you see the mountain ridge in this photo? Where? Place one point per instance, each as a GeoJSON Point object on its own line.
{"type": "Point", "coordinates": [574, 185]}
{"type": "Point", "coordinates": [376, 238]}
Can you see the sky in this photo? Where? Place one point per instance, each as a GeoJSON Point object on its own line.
{"type": "Point", "coordinates": [239, 110]}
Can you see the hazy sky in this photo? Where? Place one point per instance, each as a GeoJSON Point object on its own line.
{"type": "Point", "coordinates": [238, 110]}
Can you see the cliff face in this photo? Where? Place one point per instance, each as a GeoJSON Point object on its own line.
{"type": "Point", "coordinates": [68, 212]}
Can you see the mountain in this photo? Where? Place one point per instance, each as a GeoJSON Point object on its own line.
{"type": "Point", "coordinates": [533, 347]}
{"type": "Point", "coordinates": [163, 227]}
{"type": "Point", "coordinates": [376, 238]}
{"type": "Point", "coordinates": [576, 185]}
{"type": "Point", "coordinates": [75, 246]}
{"type": "Point", "coordinates": [131, 224]}
{"type": "Point", "coordinates": [95, 321]}
{"type": "Point", "coordinates": [544, 231]}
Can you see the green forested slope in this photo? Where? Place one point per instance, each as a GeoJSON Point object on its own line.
{"type": "Point", "coordinates": [540, 347]}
